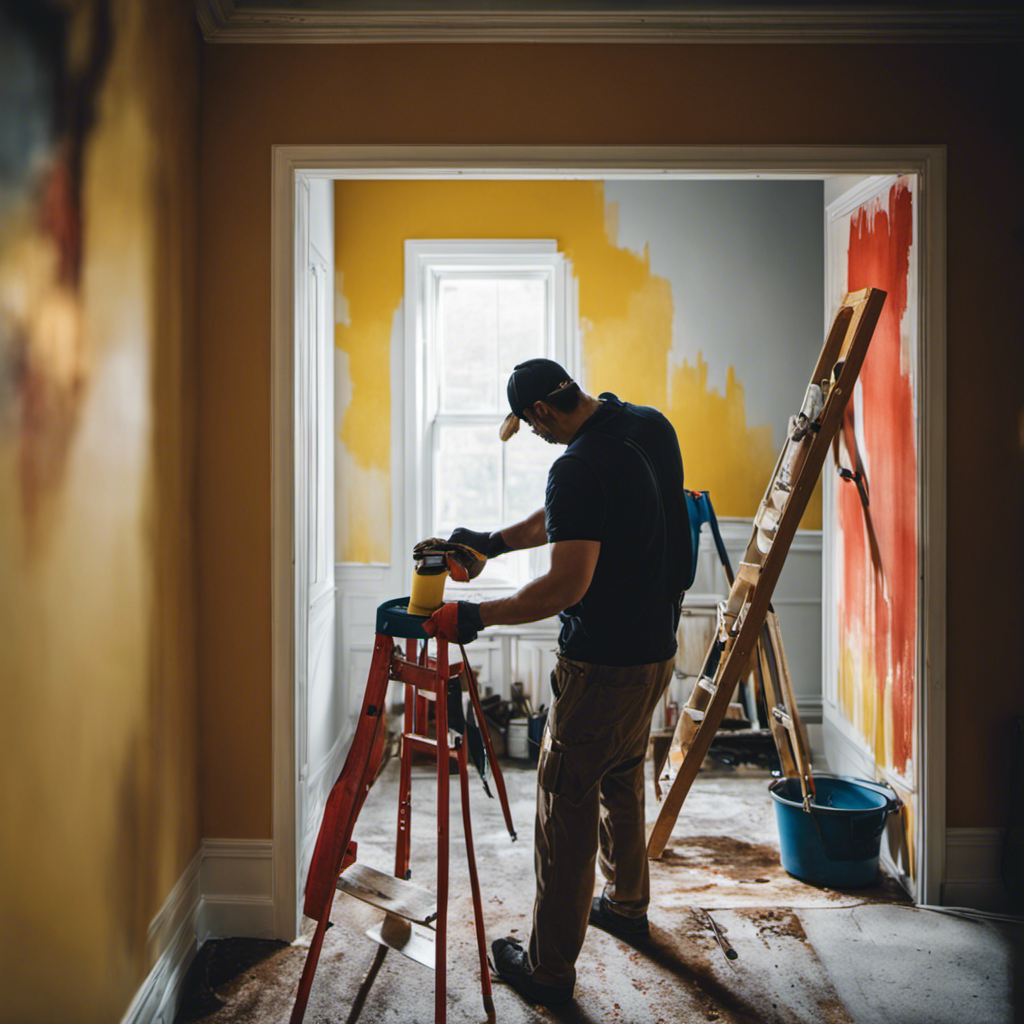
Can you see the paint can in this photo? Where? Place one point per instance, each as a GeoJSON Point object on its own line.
{"type": "Point", "coordinates": [517, 742]}
{"type": "Point", "coordinates": [427, 593]}
{"type": "Point", "coordinates": [836, 842]}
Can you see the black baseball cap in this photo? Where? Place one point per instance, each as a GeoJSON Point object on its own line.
{"type": "Point", "coordinates": [532, 381]}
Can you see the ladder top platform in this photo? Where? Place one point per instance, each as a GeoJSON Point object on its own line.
{"type": "Point", "coordinates": [393, 619]}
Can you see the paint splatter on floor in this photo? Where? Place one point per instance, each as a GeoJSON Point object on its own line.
{"type": "Point", "coordinates": [682, 973]}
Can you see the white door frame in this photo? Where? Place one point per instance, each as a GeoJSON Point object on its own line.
{"type": "Point", "coordinates": [607, 162]}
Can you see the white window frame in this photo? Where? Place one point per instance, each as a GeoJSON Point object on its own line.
{"type": "Point", "coordinates": [427, 263]}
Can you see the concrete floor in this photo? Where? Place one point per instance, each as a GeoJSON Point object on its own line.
{"type": "Point", "coordinates": [804, 954]}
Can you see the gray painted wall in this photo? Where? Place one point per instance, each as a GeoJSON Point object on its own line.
{"type": "Point", "coordinates": [745, 260]}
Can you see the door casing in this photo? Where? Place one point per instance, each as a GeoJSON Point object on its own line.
{"type": "Point", "coordinates": [291, 163]}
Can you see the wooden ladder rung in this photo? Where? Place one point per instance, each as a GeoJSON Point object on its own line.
{"type": "Point", "coordinates": [427, 745]}
{"type": "Point", "coordinates": [415, 941]}
{"type": "Point", "coordinates": [749, 572]}
{"type": "Point", "coordinates": [396, 896]}
{"type": "Point", "coordinates": [783, 717]}
{"type": "Point", "coordinates": [768, 517]}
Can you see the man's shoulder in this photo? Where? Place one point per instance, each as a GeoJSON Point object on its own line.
{"type": "Point", "coordinates": [639, 420]}
{"type": "Point", "coordinates": [646, 412]}
{"type": "Point", "coordinates": [571, 463]}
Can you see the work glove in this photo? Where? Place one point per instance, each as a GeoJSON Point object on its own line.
{"type": "Point", "coordinates": [488, 544]}
{"type": "Point", "coordinates": [458, 622]}
{"type": "Point", "coordinates": [433, 555]}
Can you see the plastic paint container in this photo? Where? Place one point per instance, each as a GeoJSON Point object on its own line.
{"type": "Point", "coordinates": [517, 738]}
{"type": "Point", "coordinates": [836, 843]}
{"type": "Point", "coordinates": [427, 593]}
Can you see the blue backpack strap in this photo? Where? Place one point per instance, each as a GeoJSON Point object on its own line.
{"type": "Point", "coordinates": [698, 505]}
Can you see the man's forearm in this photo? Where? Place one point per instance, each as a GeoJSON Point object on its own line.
{"type": "Point", "coordinates": [565, 583]}
{"type": "Point", "coordinates": [530, 533]}
{"type": "Point", "coordinates": [539, 599]}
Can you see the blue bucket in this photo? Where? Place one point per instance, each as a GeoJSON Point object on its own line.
{"type": "Point", "coordinates": [836, 842]}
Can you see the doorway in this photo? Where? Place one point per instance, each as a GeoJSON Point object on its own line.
{"type": "Point", "coordinates": [297, 168]}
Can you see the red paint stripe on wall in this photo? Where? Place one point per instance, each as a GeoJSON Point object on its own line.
{"type": "Point", "coordinates": [878, 599]}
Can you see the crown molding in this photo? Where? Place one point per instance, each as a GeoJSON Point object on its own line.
{"type": "Point", "coordinates": [597, 21]}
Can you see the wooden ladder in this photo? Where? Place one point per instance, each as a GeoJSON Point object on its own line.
{"type": "Point", "coordinates": [415, 921]}
{"type": "Point", "coordinates": [747, 627]}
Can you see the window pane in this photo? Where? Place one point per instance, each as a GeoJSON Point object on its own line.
{"type": "Point", "coordinates": [467, 332]}
{"type": "Point", "coordinates": [522, 322]}
{"type": "Point", "coordinates": [467, 478]}
{"type": "Point", "coordinates": [527, 461]}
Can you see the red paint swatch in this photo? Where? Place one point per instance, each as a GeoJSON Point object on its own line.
{"type": "Point", "coordinates": [878, 603]}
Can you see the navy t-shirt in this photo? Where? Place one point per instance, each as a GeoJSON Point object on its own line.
{"type": "Point", "coordinates": [620, 482]}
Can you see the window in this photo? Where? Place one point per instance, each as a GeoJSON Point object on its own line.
{"type": "Point", "coordinates": [476, 310]}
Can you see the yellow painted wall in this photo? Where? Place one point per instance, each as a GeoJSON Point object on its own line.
{"type": "Point", "coordinates": [99, 790]}
{"type": "Point", "coordinates": [625, 313]}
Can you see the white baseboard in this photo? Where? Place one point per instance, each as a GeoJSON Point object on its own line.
{"type": "Point", "coordinates": [973, 869]}
{"type": "Point", "coordinates": [238, 889]}
{"type": "Point", "coordinates": [171, 944]}
{"type": "Point", "coordinates": [225, 892]}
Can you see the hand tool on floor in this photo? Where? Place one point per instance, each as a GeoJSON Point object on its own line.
{"type": "Point", "coordinates": [415, 921]}
{"type": "Point", "coordinates": [723, 942]}
{"type": "Point", "coordinates": [745, 616]}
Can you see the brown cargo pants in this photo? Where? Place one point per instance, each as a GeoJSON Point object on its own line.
{"type": "Point", "coordinates": [590, 792]}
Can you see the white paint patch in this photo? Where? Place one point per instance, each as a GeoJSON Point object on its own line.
{"type": "Point", "coordinates": [362, 509]}
{"type": "Point", "coordinates": [341, 313]}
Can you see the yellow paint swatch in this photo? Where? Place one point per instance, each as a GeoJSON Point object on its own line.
{"type": "Point", "coordinates": [625, 311]}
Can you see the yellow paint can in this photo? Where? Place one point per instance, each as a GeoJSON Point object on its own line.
{"type": "Point", "coordinates": [427, 593]}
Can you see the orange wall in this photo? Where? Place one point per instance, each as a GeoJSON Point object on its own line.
{"type": "Point", "coordinates": [256, 96]}
{"type": "Point", "coordinates": [99, 749]}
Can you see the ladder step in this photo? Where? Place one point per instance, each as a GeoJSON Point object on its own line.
{"type": "Point", "coordinates": [412, 940]}
{"type": "Point", "coordinates": [426, 745]}
{"type": "Point", "coordinates": [782, 717]}
{"type": "Point", "coordinates": [396, 896]}
{"type": "Point", "coordinates": [767, 518]}
{"type": "Point", "coordinates": [749, 572]}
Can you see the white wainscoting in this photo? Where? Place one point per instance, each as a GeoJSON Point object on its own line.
{"type": "Point", "coordinates": [527, 653]}
{"type": "Point", "coordinates": [797, 603]}
{"type": "Point", "coordinates": [321, 781]}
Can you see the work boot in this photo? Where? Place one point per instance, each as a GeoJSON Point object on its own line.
{"type": "Point", "coordinates": [512, 963]}
{"type": "Point", "coordinates": [630, 929]}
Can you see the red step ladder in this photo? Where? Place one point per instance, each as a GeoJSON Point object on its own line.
{"type": "Point", "coordinates": [416, 920]}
